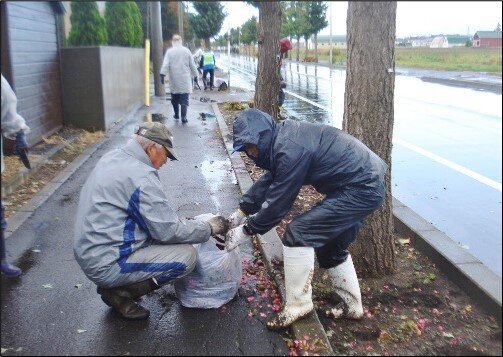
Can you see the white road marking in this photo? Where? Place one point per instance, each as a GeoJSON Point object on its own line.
{"type": "Point", "coordinates": [452, 165]}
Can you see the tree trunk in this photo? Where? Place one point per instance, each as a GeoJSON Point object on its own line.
{"type": "Point", "coordinates": [305, 53]}
{"type": "Point", "coordinates": [267, 83]}
{"type": "Point", "coordinates": [316, 47]}
{"type": "Point", "coordinates": [368, 116]}
{"type": "Point", "coordinates": [298, 47]}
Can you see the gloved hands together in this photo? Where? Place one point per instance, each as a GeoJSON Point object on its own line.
{"type": "Point", "coordinates": [235, 237]}
{"type": "Point", "coordinates": [162, 78]}
{"type": "Point", "coordinates": [219, 225]}
{"type": "Point", "coordinates": [236, 218]}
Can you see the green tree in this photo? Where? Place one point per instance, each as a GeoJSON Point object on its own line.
{"type": "Point", "coordinates": [208, 21]}
{"type": "Point", "coordinates": [124, 24]}
{"type": "Point", "coordinates": [88, 27]}
{"type": "Point", "coordinates": [317, 20]}
{"type": "Point", "coordinates": [249, 32]}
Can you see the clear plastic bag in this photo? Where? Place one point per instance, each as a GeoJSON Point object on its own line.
{"type": "Point", "coordinates": [215, 279]}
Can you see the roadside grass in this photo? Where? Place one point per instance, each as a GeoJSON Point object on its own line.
{"type": "Point", "coordinates": [446, 59]}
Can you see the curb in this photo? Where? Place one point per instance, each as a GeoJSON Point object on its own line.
{"type": "Point", "coordinates": [271, 247]}
{"type": "Point", "coordinates": [24, 173]}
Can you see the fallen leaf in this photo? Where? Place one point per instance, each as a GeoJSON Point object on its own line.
{"type": "Point", "coordinates": [448, 335]}
{"type": "Point", "coordinates": [36, 250]}
{"type": "Point", "coordinates": [81, 331]}
{"type": "Point", "coordinates": [5, 350]}
{"type": "Point", "coordinates": [404, 241]}
{"type": "Point", "coordinates": [78, 286]}
{"type": "Point", "coordinates": [19, 349]}
{"type": "Point", "coordinates": [47, 286]}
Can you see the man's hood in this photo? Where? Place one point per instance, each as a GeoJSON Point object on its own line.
{"type": "Point", "coordinates": [253, 126]}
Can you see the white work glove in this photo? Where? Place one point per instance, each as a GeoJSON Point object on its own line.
{"type": "Point", "coordinates": [237, 218]}
{"type": "Point", "coordinates": [235, 237]}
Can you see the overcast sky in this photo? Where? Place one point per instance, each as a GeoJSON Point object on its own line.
{"type": "Point", "coordinates": [412, 19]}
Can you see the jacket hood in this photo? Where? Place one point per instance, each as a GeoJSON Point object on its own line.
{"type": "Point", "coordinates": [253, 126]}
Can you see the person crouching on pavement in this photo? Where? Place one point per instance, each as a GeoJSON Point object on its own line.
{"type": "Point", "coordinates": [338, 165]}
{"type": "Point", "coordinates": [128, 240]}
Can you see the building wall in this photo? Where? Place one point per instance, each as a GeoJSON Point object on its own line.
{"type": "Point", "coordinates": [31, 42]}
{"type": "Point", "coordinates": [490, 42]}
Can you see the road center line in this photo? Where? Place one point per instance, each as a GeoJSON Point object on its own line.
{"type": "Point", "coordinates": [452, 165]}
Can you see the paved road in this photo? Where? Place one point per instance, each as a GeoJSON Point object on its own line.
{"type": "Point", "coordinates": [447, 145]}
{"type": "Point", "coordinates": [46, 320]}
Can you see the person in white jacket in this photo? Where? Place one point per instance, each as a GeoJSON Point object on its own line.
{"type": "Point", "coordinates": [128, 240]}
{"type": "Point", "coordinates": [13, 127]}
{"type": "Point", "coordinates": [179, 65]}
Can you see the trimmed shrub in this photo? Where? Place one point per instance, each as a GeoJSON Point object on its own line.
{"type": "Point", "coordinates": [88, 27]}
{"type": "Point", "coordinates": [123, 21]}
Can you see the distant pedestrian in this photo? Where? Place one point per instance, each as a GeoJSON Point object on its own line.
{"type": "Point", "coordinates": [208, 62]}
{"type": "Point", "coordinates": [128, 240]}
{"type": "Point", "coordinates": [179, 65]}
{"type": "Point", "coordinates": [13, 127]}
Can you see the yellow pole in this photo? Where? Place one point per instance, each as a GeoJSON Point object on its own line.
{"type": "Point", "coordinates": [149, 117]}
{"type": "Point", "coordinates": [147, 72]}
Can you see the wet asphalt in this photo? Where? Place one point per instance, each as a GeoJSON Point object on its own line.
{"type": "Point", "coordinates": [53, 309]}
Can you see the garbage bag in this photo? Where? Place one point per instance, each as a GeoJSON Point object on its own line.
{"type": "Point", "coordinates": [214, 281]}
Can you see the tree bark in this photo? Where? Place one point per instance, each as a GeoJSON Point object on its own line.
{"type": "Point", "coordinates": [368, 115]}
{"type": "Point", "coordinates": [298, 47]}
{"type": "Point", "coordinates": [267, 83]}
{"type": "Point", "coordinates": [305, 54]}
{"type": "Point", "coordinates": [316, 47]}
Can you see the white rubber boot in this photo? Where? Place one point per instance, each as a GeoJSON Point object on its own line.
{"type": "Point", "coordinates": [345, 284]}
{"type": "Point", "coordinates": [299, 269]}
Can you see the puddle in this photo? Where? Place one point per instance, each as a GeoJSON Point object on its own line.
{"type": "Point", "coordinates": [217, 173]}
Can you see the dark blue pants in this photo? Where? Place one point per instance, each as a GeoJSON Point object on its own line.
{"type": "Point", "coordinates": [179, 99]}
{"type": "Point", "coordinates": [212, 75]}
{"type": "Point", "coordinates": [332, 224]}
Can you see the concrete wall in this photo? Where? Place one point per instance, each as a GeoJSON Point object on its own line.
{"type": "Point", "coordinates": [100, 84]}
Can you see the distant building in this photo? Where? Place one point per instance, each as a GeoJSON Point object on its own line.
{"type": "Point", "coordinates": [439, 42]}
{"type": "Point", "coordinates": [458, 40]}
{"type": "Point", "coordinates": [338, 41]}
{"type": "Point", "coordinates": [487, 39]}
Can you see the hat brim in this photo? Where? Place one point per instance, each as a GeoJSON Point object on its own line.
{"type": "Point", "coordinates": [238, 148]}
{"type": "Point", "coordinates": [171, 154]}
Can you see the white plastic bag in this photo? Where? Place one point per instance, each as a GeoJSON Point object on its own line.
{"type": "Point", "coordinates": [215, 279]}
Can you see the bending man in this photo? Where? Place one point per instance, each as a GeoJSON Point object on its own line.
{"type": "Point", "coordinates": [338, 165]}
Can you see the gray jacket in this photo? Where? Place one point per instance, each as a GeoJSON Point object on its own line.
{"type": "Point", "coordinates": [12, 122]}
{"type": "Point", "coordinates": [122, 208]}
{"type": "Point", "coordinates": [300, 153]}
{"type": "Point", "coordinates": [179, 65]}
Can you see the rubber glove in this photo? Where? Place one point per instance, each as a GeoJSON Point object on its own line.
{"type": "Point", "coordinates": [235, 237]}
{"type": "Point", "coordinates": [237, 218]}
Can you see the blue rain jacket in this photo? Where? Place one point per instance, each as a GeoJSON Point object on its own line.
{"type": "Point", "coordinates": [301, 153]}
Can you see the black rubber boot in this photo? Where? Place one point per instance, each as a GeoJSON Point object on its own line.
{"type": "Point", "coordinates": [184, 113]}
{"type": "Point", "coordinates": [121, 299]}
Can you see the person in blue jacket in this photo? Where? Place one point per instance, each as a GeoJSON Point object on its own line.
{"type": "Point", "coordinates": [338, 165]}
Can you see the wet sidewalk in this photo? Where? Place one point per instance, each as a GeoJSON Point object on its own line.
{"type": "Point", "coordinates": [53, 309]}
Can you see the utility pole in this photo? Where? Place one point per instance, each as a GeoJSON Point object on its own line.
{"type": "Point", "coordinates": [180, 19]}
{"type": "Point", "coordinates": [330, 65]}
{"type": "Point", "coordinates": [229, 57]}
{"type": "Point", "coordinates": [156, 32]}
